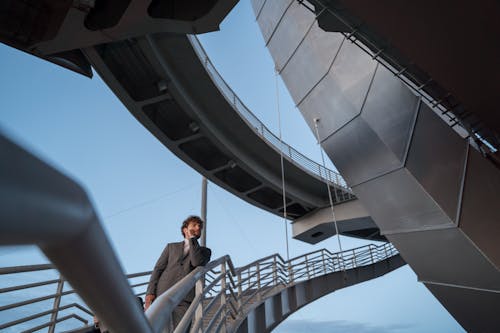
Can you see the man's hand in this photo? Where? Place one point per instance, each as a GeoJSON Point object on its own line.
{"type": "Point", "coordinates": [148, 301]}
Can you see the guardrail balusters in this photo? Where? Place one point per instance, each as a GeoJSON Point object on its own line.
{"type": "Point", "coordinates": [199, 309]}
{"type": "Point", "coordinates": [223, 292]}
{"type": "Point", "coordinates": [307, 267]}
{"type": "Point", "coordinates": [275, 273]}
{"type": "Point", "coordinates": [240, 296]}
{"type": "Point", "coordinates": [323, 261]}
{"type": "Point", "coordinates": [301, 160]}
{"type": "Point", "coordinates": [371, 255]}
{"type": "Point", "coordinates": [57, 302]}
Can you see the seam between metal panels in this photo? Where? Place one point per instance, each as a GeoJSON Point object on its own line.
{"type": "Point", "coordinates": [462, 184]}
{"type": "Point", "coordinates": [322, 77]}
{"type": "Point", "coordinates": [260, 10]}
{"type": "Point", "coordinates": [298, 46]}
{"type": "Point", "coordinates": [360, 109]}
{"type": "Point", "coordinates": [278, 23]}
{"type": "Point", "coordinates": [459, 286]}
{"type": "Point", "coordinates": [412, 131]}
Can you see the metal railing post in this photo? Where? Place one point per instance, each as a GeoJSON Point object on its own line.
{"type": "Point", "coordinates": [240, 291]}
{"type": "Point", "coordinates": [198, 316]}
{"type": "Point", "coordinates": [259, 296]}
{"type": "Point", "coordinates": [371, 255]}
{"type": "Point", "coordinates": [275, 272]}
{"type": "Point", "coordinates": [258, 274]}
{"type": "Point", "coordinates": [290, 273]}
{"type": "Point", "coordinates": [323, 261]}
{"type": "Point", "coordinates": [307, 267]}
{"type": "Point", "coordinates": [223, 293]}
{"type": "Point", "coordinates": [355, 263]}
{"type": "Point", "coordinates": [57, 302]}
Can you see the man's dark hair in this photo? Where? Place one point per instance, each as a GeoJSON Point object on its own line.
{"type": "Point", "coordinates": [192, 218]}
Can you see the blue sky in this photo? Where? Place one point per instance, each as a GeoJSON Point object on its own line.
{"type": "Point", "coordinates": [142, 191]}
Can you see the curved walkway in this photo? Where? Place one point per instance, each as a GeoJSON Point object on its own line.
{"type": "Point", "coordinates": [168, 83]}
{"type": "Point", "coordinates": [260, 295]}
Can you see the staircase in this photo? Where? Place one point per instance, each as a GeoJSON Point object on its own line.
{"type": "Point", "coordinates": [259, 296]}
{"type": "Point", "coordinates": [252, 298]}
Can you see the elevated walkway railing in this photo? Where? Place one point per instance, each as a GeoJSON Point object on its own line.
{"type": "Point", "coordinates": [224, 293]}
{"type": "Point", "coordinates": [229, 293]}
{"type": "Point", "coordinates": [66, 303]}
{"type": "Point", "coordinates": [260, 129]}
{"type": "Point", "coordinates": [41, 206]}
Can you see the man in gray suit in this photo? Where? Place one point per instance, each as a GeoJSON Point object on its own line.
{"type": "Point", "coordinates": [176, 261]}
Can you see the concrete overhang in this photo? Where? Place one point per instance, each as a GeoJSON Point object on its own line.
{"type": "Point", "coordinates": [56, 30]}
{"type": "Point", "coordinates": [351, 217]}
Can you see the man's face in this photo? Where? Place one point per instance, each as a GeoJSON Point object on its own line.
{"type": "Point", "coordinates": [192, 230]}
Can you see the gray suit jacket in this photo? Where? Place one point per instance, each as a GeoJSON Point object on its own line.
{"type": "Point", "coordinates": [173, 265]}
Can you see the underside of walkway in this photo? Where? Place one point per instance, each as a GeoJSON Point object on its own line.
{"type": "Point", "coordinates": [165, 79]}
{"type": "Point", "coordinates": [164, 83]}
{"type": "Point", "coordinates": [268, 312]}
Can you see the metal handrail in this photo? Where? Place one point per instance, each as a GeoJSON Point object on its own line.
{"type": "Point", "coordinates": [242, 285]}
{"type": "Point", "coordinates": [258, 279]}
{"type": "Point", "coordinates": [44, 313]}
{"type": "Point", "coordinates": [27, 268]}
{"type": "Point", "coordinates": [58, 216]}
{"type": "Point", "coordinates": [38, 268]}
{"type": "Point", "coordinates": [73, 239]}
{"type": "Point", "coordinates": [58, 320]}
{"type": "Point", "coordinates": [290, 153]}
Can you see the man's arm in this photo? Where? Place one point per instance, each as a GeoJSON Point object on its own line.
{"type": "Point", "coordinates": [198, 255]}
{"type": "Point", "coordinates": [160, 266]}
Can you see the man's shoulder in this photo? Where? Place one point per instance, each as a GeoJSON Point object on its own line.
{"type": "Point", "coordinates": [175, 244]}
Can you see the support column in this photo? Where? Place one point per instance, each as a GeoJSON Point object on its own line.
{"type": "Point", "coordinates": [204, 183]}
